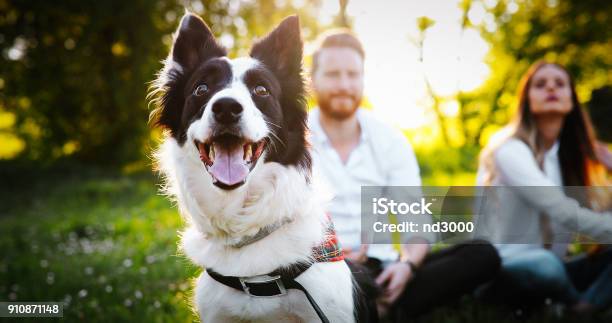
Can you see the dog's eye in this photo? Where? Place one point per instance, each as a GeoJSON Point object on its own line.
{"type": "Point", "coordinates": [200, 90]}
{"type": "Point", "coordinates": [261, 90]}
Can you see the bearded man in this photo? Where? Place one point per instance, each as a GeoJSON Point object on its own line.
{"type": "Point", "coordinates": [351, 148]}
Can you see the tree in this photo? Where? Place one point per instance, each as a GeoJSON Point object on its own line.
{"type": "Point", "coordinates": [574, 33]}
{"type": "Point", "coordinates": [74, 74]}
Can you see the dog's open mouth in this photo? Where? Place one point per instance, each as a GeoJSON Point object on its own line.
{"type": "Point", "coordinates": [229, 159]}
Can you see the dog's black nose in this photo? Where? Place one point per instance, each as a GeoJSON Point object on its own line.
{"type": "Point", "coordinates": [227, 110]}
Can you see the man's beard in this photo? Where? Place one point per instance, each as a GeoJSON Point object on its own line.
{"type": "Point", "coordinates": [339, 110]}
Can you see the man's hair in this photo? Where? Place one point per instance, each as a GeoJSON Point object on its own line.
{"type": "Point", "coordinates": [334, 38]}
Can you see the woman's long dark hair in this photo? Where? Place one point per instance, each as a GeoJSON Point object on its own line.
{"type": "Point", "coordinates": [579, 164]}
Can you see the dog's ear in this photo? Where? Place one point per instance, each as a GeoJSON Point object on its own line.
{"type": "Point", "coordinates": [281, 49]}
{"type": "Point", "coordinates": [194, 43]}
{"type": "Point", "coordinates": [281, 52]}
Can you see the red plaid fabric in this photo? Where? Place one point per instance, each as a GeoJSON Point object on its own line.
{"type": "Point", "coordinates": [329, 250]}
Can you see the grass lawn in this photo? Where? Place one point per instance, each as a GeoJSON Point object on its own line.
{"type": "Point", "coordinates": [106, 246]}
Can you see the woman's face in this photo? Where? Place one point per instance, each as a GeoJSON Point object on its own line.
{"type": "Point", "coordinates": [550, 91]}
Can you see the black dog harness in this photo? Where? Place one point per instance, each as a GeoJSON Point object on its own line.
{"type": "Point", "coordinates": [273, 284]}
{"type": "Point", "coordinates": [280, 280]}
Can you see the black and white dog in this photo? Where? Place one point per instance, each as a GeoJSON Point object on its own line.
{"type": "Point", "coordinates": [236, 160]}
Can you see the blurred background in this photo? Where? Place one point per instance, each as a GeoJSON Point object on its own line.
{"type": "Point", "coordinates": [81, 220]}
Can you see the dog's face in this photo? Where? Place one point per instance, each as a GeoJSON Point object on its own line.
{"type": "Point", "coordinates": [235, 113]}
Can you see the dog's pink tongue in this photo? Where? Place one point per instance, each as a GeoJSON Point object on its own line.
{"type": "Point", "coordinates": [229, 166]}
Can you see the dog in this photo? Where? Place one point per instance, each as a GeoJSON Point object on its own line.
{"type": "Point", "coordinates": [235, 158]}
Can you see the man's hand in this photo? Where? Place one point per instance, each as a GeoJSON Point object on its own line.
{"type": "Point", "coordinates": [393, 280]}
{"type": "Point", "coordinates": [357, 256]}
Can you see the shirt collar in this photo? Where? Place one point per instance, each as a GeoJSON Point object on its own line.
{"type": "Point", "coordinates": [552, 152]}
{"type": "Point", "coordinates": [320, 135]}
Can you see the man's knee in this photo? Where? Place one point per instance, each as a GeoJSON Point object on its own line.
{"type": "Point", "coordinates": [489, 254]}
{"type": "Point", "coordinates": [482, 255]}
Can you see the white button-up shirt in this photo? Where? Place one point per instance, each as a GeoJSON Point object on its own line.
{"type": "Point", "coordinates": [383, 157]}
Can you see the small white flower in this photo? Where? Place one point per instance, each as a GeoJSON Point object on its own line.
{"type": "Point", "coordinates": [67, 299]}
{"type": "Point", "coordinates": [82, 293]}
{"type": "Point", "coordinates": [50, 278]}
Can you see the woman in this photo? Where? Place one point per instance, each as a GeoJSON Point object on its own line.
{"type": "Point", "coordinates": [549, 144]}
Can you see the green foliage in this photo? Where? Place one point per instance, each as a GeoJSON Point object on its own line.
{"type": "Point", "coordinates": [574, 33]}
{"type": "Point", "coordinates": [423, 23]}
{"type": "Point", "coordinates": [443, 165]}
{"type": "Point", "coordinates": [74, 74]}
{"type": "Point", "coordinates": [105, 246]}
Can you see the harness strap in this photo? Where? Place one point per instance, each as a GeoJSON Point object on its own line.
{"type": "Point", "coordinates": [295, 285]}
{"type": "Point", "coordinates": [273, 284]}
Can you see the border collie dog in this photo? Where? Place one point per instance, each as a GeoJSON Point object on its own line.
{"type": "Point", "coordinates": [236, 160]}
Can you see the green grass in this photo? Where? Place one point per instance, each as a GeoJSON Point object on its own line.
{"type": "Point", "coordinates": [106, 245]}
